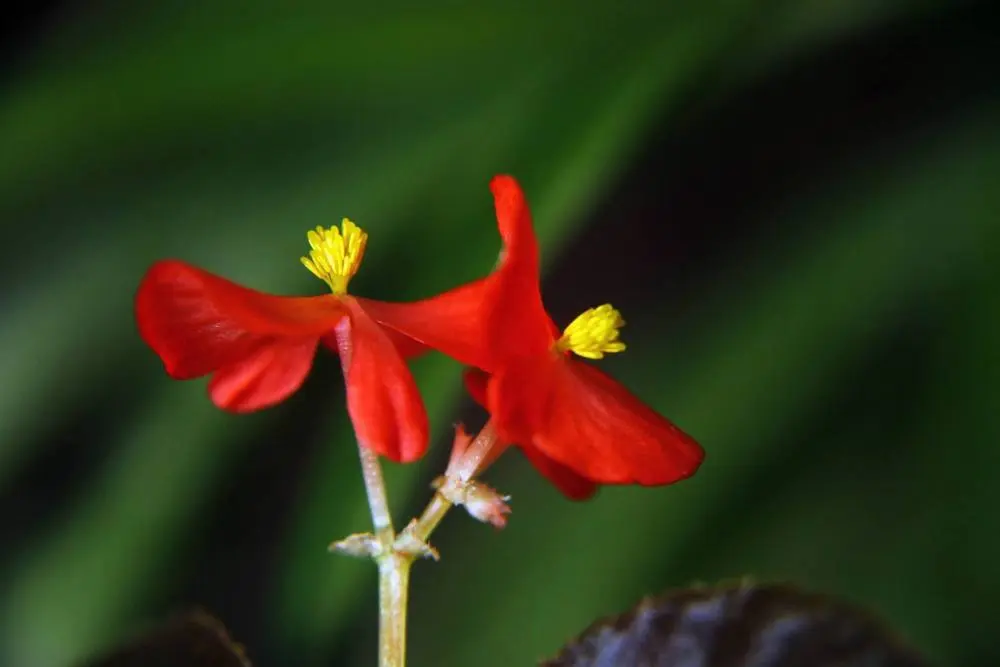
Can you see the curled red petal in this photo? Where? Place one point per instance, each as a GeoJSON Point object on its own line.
{"type": "Point", "coordinates": [265, 377]}
{"type": "Point", "coordinates": [514, 220]}
{"type": "Point", "coordinates": [595, 426]}
{"type": "Point", "coordinates": [571, 484]}
{"type": "Point", "coordinates": [516, 324]}
{"type": "Point", "coordinates": [450, 323]}
{"type": "Point", "coordinates": [198, 322]}
{"type": "Point", "coordinates": [382, 398]}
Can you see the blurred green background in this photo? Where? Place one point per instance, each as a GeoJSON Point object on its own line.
{"type": "Point", "coordinates": [794, 203]}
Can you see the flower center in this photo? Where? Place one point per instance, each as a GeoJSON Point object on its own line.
{"type": "Point", "coordinates": [593, 333]}
{"type": "Point", "coordinates": [336, 254]}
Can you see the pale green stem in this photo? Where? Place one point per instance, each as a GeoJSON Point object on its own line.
{"type": "Point", "coordinates": [378, 502]}
{"type": "Point", "coordinates": [393, 587]}
{"type": "Point", "coordinates": [481, 452]}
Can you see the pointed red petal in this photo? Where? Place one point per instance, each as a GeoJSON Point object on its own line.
{"type": "Point", "coordinates": [516, 322]}
{"type": "Point", "coordinates": [265, 377]}
{"type": "Point", "coordinates": [450, 322]}
{"type": "Point", "coordinates": [572, 485]}
{"type": "Point", "coordinates": [514, 219]}
{"type": "Point", "coordinates": [382, 397]}
{"type": "Point", "coordinates": [198, 322]}
{"type": "Point", "coordinates": [600, 430]}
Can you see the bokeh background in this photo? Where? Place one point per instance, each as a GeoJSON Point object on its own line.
{"type": "Point", "coordinates": [795, 203]}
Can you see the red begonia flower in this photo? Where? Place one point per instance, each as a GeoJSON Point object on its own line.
{"type": "Point", "coordinates": [540, 394]}
{"type": "Point", "coordinates": [576, 424]}
{"type": "Point", "coordinates": [258, 348]}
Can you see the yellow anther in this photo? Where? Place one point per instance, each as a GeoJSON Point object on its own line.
{"type": "Point", "coordinates": [336, 254]}
{"type": "Point", "coordinates": [593, 333]}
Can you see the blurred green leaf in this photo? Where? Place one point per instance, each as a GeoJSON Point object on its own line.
{"type": "Point", "coordinates": [220, 133]}
{"type": "Point", "coordinates": [69, 594]}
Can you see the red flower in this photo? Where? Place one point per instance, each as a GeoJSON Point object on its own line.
{"type": "Point", "coordinates": [258, 348]}
{"type": "Point", "coordinates": [538, 393]}
{"type": "Point", "coordinates": [576, 424]}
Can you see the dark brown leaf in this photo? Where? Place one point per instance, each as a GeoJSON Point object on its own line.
{"type": "Point", "coordinates": [739, 625]}
{"type": "Point", "coordinates": [191, 640]}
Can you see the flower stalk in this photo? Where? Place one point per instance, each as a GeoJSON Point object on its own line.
{"type": "Point", "coordinates": [394, 554]}
{"type": "Point", "coordinates": [259, 348]}
{"type": "Point", "coordinates": [393, 567]}
{"type": "Point", "coordinates": [393, 590]}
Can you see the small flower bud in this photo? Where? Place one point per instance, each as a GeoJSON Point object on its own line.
{"type": "Point", "coordinates": [486, 504]}
{"type": "Point", "coordinates": [479, 500]}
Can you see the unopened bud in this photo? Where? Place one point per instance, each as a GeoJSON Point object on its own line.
{"type": "Point", "coordinates": [486, 504]}
{"type": "Point", "coordinates": [479, 500]}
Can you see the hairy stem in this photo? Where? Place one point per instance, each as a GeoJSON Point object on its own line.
{"type": "Point", "coordinates": [393, 588]}
{"type": "Point", "coordinates": [378, 502]}
{"type": "Point", "coordinates": [393, 568]}
{"type": "Point", "coordinates": [432, 515]}
{"type": "Point", "coordinates": [483, 451]}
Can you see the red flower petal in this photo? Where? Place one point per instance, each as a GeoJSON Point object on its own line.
{"type": "Point", "coordinates": [382, 397]}
{"type": "Point", "coordinates": [450, 322]}
{"type": "Point", "coordinates": [476, 382]}
{"type": "Point", "coordinates": [514, 219]}
{"type": "Point", "coordinates": [520, 399]}
{"type": "Point", "coordinates": [516, 322]}
{"type": "Point", "coordinates": [265, 377]}
{"type": "Point", "coordinates": [487, 321]}
{"type": "Point", "coordinates": [405, 346]}
{"type": "Point", "coordinates": [572, 485]}
{"type": "Point", "coordinates": [198, 322]}
{"type": "Point", "coordinates": [603, 432]}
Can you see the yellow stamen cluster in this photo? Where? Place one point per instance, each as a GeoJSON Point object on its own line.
{"type": "Point", "coordinates": [336, 254]}
{"type": "Point", "coordinates": [593, 333]}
